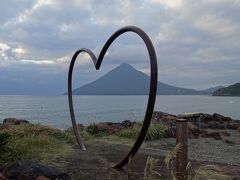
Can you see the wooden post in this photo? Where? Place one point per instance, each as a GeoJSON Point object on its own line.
{"type": "Point", "coordinates": [182, 154]}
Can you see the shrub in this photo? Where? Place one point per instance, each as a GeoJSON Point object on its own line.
{"type": "Point", "coordinates": [92, 129]}
{"type": "Point", "coordinates": [155, 131]}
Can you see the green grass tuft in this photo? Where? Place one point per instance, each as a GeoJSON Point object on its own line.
{"type": "Point", "coordinates": [155, 131]}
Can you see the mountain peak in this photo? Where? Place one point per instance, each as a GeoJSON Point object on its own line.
{"type": "Point", "coordinates": [125, 66]}
{"type": "Point", "coordinates": [126, 80]}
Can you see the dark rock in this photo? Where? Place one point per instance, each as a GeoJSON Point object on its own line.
{"type": "Point", "coordinates": [232, 125]}
{"type": "Point", "coordinates": [127, 123]}
{"type": "Point", "coordinates": [109, 128]}
{"type": "Point", "coordinates": [14, 121]}
{"type": "Point", "coordinates": [198, 124]}
{"type": "Point", "coordinates": [196, 132]}
{"type": "Point", "coordinates": [28, 170]}
{"type": "Point", "coordinates": [219, 117]}
{"type": "Point", "coordinates": [166, 119]}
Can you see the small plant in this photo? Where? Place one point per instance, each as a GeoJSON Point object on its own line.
{"type": "Point", "coordinates": [155, 131]}
{"type": "Point", "coordinates": [168, 160]}
{"type": "Point", "coordinates": [92, 129]}
{"type": "Point", "coordinates": [149, 170]}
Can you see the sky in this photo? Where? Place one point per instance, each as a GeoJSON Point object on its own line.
{"type": "Point", "coordinates": [197, 42]}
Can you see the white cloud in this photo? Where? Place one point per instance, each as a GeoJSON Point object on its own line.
{"type": "Point", "coordinates": [3, 48]}
{"type": "Point", "coordinates": [37, 62]}
{"type": "Point", "coordinates": [175, 4]}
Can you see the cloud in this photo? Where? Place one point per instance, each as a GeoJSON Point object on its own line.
{"type": "Point", "coordinates": [196, 41]}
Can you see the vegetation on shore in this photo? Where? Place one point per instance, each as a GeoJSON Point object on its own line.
{"type": "Point", "coordinates": [45, 144]}
{"type": "Point", "coordinates": [34, 142]}
{"type": "Point", "coordinates": [155, 131]}
{"type": "Point", "coordinates": [232, 90]}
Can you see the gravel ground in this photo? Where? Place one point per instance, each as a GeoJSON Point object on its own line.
{"type": "Point", "coordinates": [206, 149]}
{"type": "Point", "coordinates": [97, 161]}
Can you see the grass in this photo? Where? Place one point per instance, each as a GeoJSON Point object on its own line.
{"type": "Point", "coordinates": [35, 142]}
{"type": "Point", "coordinates": [127, 136]}
{"type": "Point", "coordinates": [155, 131]}
{"type": "Point", "coordinates": [209, 172]}
{"type": "Point", "coordinates": [149, 170]}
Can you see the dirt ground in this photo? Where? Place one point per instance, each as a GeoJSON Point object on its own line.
{"type": "Point", "coordinates": [98, 160]}
{"type": "Point", "coordinates": [96, 163]}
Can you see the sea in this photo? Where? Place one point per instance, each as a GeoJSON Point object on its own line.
{"type": "Point", "coordinates": [53, 110]}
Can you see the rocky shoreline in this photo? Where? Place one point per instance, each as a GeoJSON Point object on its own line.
{"type": "Point", "coordinates": [216, 132]}
{"type": "Point", "coordinates": [200, 125]}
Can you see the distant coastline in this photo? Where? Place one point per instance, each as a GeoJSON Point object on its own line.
{"type": "Point", "coordinates": [232, 90]}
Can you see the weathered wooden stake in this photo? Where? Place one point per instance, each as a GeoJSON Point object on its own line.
{"type": "Point", "coordinates": [182, 154]}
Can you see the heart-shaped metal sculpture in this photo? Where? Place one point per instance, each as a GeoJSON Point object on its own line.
{"type": "Point", "coordinates": [152, 92]}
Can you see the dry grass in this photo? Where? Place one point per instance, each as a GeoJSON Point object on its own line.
{"type": "Point", "coordinates": [209, 172]}
{"type": "Point", "coordinates": [201, 173]}
{"type": "Point", "coordinates": [149, 170]}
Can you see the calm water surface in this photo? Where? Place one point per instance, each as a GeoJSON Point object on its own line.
{"type": "Point", "coordinates": [53, 110]}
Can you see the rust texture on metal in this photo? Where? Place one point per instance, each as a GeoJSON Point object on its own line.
{"type": "Point", "coordinates": [182, 154]}
{"type": "Point", "coordinates": [152, 92]}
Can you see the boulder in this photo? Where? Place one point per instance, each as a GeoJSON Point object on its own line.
{"type": "Point", "coordinates": [14, 121]}
{"type": "Point", "coordinates": [29, 170]}
{"type": "Point", "coordinates": [166, 119]}
{"type": "Point", "coordinates": [128, 123]}
{"type": "Point", "coordinates": [109, 127]}
{"type": "Point", "coordinates": [219, 117]}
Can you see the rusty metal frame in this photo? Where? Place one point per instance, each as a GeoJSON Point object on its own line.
{"type": "Point", "coordinates": [152, 92]}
